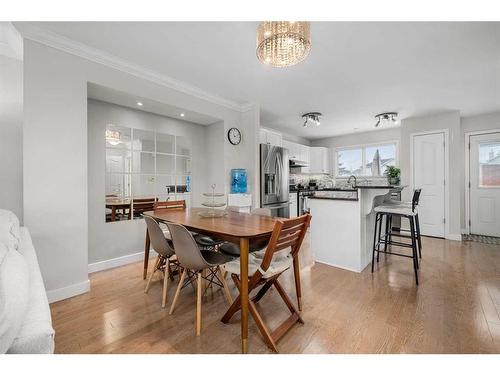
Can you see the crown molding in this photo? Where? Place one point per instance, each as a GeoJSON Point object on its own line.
{"type": "Point", "coordinates": [54, 40]}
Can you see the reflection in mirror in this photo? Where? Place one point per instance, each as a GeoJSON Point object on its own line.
{"type": "Point", "coordinates": [165, 143]}
{"type": "Point", "coordinates": [165, 164]}
{"type": "Point", "coordinates": [143, 167]}
{"type": "Point", "coordinates": [143, 162]}
{"type": "Point", "coordinates": [117, 137]}
{"type": "Point", "coordinates": [144, 140]}
{"type": "Point", "coordinates": [183, 165]}
{"type": "Point", "coordinates": [183, 146]}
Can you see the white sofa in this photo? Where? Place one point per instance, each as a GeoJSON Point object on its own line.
{"type": "Point", "coordinates": [25, 321]}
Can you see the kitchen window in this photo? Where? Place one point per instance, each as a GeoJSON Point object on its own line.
{"type": "Point", "coordinates": [365, 160]}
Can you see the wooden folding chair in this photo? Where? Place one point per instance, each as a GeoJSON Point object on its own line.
{"type": "Point", "coordinates": [170, 204]}
{"type": "Point", "coordinates": [265, 267]}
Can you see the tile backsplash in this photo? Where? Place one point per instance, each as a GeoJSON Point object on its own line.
{"type": "Point", "coordinates": [323, 180]}
{"type": "Point", "coordinates": [326, 180]}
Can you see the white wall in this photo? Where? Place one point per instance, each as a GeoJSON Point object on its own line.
{"type": "Point", "coordinates": [55, 153]}
{"type": "Point", "coordinates": [362, 138]}
{"type": "Point", "coordinates": [11, 135]}
{"type": "Point", "coordinates": [449, 121]}
{"type": "Point", "coordinates": [113, 240]}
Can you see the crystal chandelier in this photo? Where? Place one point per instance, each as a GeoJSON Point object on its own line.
{"type": "Point", "coordinates": [112, 137]}
{"type": "Point", "coordinates": [283, 43]}
{"type": "Point", "coordinates": [311, 118]}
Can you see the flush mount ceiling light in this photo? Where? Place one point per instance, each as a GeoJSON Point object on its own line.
{"type": "Point", "coordinates": [113, 137]}
{"type": "Point", "coordinates": [283, 43]}
{"type": "Point", "coordinates": [387, 118]}
{"type": "Point", "coordinates": [311, 118]}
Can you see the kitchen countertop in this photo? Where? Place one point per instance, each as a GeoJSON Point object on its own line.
{"type": "Point", "coordinates": [334, 198]}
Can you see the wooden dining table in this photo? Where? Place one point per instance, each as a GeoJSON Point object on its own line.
{"type": "Point", "coordinates": [118, 203]}
{"type": "Point", "coordinates": [236, 227]}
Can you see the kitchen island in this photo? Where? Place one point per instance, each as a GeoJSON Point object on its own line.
{"type": "Point", "coordinates": [342, 227]}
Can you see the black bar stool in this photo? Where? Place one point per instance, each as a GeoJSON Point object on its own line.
{"type": "Point", "coordinates": [407, 210]}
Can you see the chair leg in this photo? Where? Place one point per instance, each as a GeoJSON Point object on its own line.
{"type": "Point", "coordinates": [224, 286]}
{"type": "Point", "coordinates": [296, 274]}
{"type": "Point", "coordinates": [417, 222]}
{"type": "Point", "coordinates": [414, 248]}
{"type": "Point", "coordinates": [287, 300]}
{"type": "Point", "coordinates": [155, 267]}
{"type": "Point", "coordinates": [379, 233]}
{"type": "Point", "coordinates": [387, 229]}
{"type": "Point", "coordinates": [178, 290]}
{"type": "Point", "coordinates": [263, 291]}
{"type": "Point", "coordinates": [374, 239]}
{"type": "Point", "coordinates": [198, 304]}
{"type": "Point", "coordinates": [236, 304]}
{"type": "Point", "coordinates": [165, 283]}
{"type": "Point", "coordinates": [266, 334]}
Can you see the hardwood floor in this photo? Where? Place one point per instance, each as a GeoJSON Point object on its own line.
{"type": "Point", "coordinates": [456, 309]}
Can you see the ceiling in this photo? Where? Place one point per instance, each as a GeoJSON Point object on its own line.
{"type": "Point", "coordinates": [106, 94]}
{"type": "Point", "coordinates": [354, 71]}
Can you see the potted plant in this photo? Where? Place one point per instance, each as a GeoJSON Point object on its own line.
{"type": "Point", "coordinates": [393, 175]}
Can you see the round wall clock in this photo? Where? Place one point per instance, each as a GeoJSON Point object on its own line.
{"type": "Point", "coordinates": [234, 136]}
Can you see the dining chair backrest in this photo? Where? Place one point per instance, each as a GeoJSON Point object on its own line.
{"type": "Point", "coordinates": [415, 199]}
{"type": "Point", "coordinates": [261, 211]}
{"type": "Point", "coordinates": [170, 204]}
{"type": "Point", "coordinates": [233, 208]}
{"type": "Point", "coordinates": [157, 238]}
{"type": "Point", "coordinates": [187, 251]}
{"type": "Point", "coordinates": [287, 233]}
{"type": "Point", "coordinates": [143, 204]}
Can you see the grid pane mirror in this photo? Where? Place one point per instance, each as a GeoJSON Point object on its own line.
{"type": "Point", "coordinates": [143, 167]}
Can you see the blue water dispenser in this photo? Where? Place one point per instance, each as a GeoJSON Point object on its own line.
{"type": "Point", "coordinates": [238, 181]}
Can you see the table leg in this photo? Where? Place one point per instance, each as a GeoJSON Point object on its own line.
{"type": "Point", "coordinates": [113, 213]}
{"type": "Point", "coordinates": [244, 246]}
{"type": "Point", "coordinates": [146, 255]}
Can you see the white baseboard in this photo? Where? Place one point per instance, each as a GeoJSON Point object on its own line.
{"type": "Point", "coordinates": [117, 262]}
{"type": "Point", "coordinates": [454, 237]}
{"type": "Point", "coordinates": [337, 266]}
{"type": "Point", "coordinates": [68, 291]}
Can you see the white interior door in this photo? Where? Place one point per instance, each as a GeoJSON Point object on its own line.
{"type": "Point", "coordinates": [429, 175]}
{"type": "Point", "coordinates": [484, 198]}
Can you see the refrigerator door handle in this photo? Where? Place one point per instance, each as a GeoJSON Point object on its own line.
{"type": "Point", "coordinates": [281, 205]}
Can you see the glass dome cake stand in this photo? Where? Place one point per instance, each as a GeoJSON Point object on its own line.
{"type": "Point", "coordinates": [213, 201]}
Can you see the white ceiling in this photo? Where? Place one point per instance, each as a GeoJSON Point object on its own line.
{"type": "Point", "coordinates": [354, 71]}
{"type": "Point", "coordinates": [106, 94]}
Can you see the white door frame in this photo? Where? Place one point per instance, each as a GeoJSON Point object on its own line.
{"type": "Point", "coordinates": [467, 172]}
{"type": "Point", "coordinates": [446, 176]}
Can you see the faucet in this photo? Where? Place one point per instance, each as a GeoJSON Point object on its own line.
{"type": "Point", "coordinates": [349, 181]}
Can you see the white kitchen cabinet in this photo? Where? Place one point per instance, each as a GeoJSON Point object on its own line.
{"type": "Point", "coordinates": [293, 205]}
{"type": "Point", "coordinates": [319, 160]}
{"type": "Point", "coordinates": [304, 153]}
{"type": "Point", "coordinates": [269, 137]}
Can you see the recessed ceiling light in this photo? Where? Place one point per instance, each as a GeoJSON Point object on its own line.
{"type": "Point", "coordinates": [139, 104]}
{"type": "Point", "coordinates": [182, 115]}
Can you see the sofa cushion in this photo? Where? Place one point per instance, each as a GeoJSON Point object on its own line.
{"type": "Point", "coordinates": [36, 334]}
{"type": "Point", "coordinates": [9, 229]}
{"type": "Point", "coordinates": [14, 290]}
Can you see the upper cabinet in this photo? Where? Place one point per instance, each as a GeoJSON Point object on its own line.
{"type": "Point", "coordinates": [269, 137]}
{"type": "Point", "coordinates": [319, 160]}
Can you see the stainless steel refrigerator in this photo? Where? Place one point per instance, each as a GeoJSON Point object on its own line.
{"type": "Point", "coordinates": [274, 170]}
